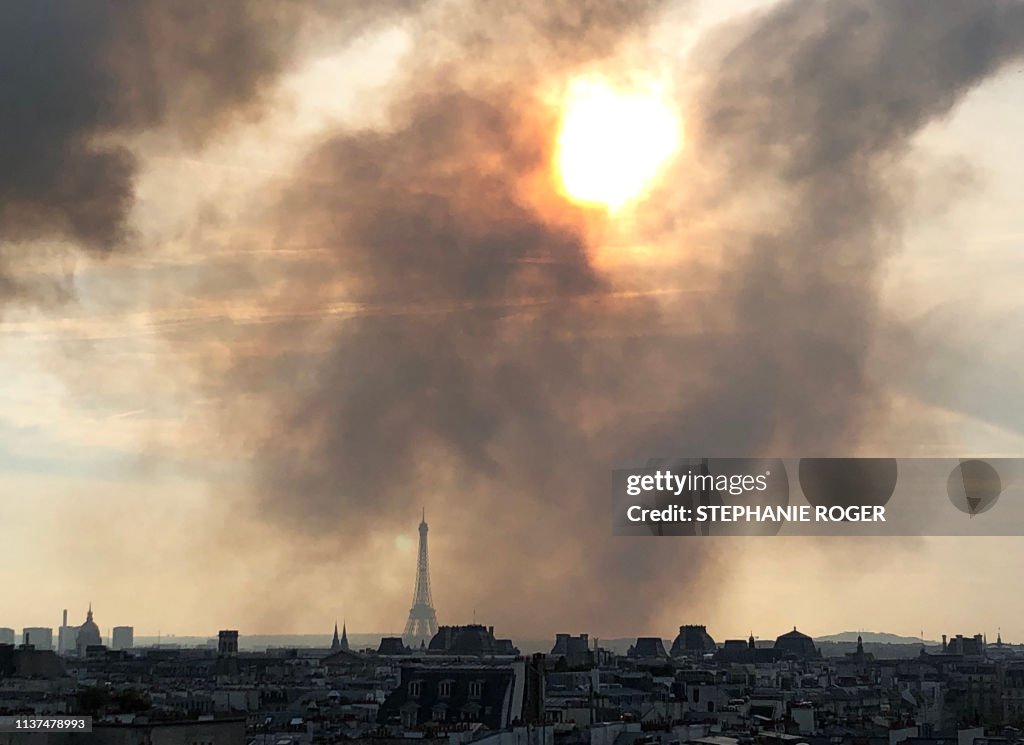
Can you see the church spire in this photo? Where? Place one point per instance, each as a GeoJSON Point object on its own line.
{"type": "Point", "coordinates": [344, 635]}
{"type": "Point", "coordinates": [335, 643]}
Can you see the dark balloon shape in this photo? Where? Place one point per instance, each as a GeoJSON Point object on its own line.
{"type": "Point", "coordinates": [973, 487]}
{"type": "Point", "coordinates": [848, 482]}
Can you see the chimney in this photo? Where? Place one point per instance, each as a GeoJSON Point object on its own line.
{"type": "Point", "coordinates": [943, 642]}
{"type": "Point", "coordinates": [65, 617]}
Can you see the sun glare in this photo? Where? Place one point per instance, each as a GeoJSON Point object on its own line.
{"type": "Point", "coordinates": [612, 143]}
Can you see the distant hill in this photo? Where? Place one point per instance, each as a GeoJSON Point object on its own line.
{"type": "Point", "coordinates": [872, 637]}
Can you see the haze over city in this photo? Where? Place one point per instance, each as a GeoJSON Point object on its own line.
{"type": "Point", "coordinates": [273, 282]}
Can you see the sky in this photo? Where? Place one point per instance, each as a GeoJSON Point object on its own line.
{"type": "Point", "coordinates": [263, 300]}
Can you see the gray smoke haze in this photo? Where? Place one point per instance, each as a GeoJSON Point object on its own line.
{"type": "Point", "coordinates": [488, 366]}
{"type": "Point", "coordinates": [494, 370]}
{"type": "Point", "coordinates": [810, 110]}
{"type": "Point", "coordinates": [80, 76]}
{"type": "Point", "coordinates": [470, 379]}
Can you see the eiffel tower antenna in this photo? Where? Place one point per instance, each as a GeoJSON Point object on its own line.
{"type": "Point", "coordinates": [422, 623]}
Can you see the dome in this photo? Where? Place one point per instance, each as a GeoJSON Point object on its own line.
{"type": "Point", "coordinates": [89, 633]}
{"type": "Point", "coordinates": [693, 640]}
{"type": "Point", "coordinates": [648, 647]}
{"type": "Point", "coordinates": [796, 644]}
{"type": "Point", "coordinates": [472, 640]}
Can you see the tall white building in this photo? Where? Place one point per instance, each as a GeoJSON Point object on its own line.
{"type": "Point", "coordinates": [67, 636]}
{"type": "Point", "coordinates": [67, 639]}
{"type": "Point", "coordinates": [123, 637]}
{"type": "Point", "coordinates": [39, 637]}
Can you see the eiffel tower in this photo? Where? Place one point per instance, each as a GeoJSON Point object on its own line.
{"type": "Point", "coordinates": [422, 623]}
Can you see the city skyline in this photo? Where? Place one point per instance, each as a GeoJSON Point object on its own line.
{"type": "Point", "coordinates": [471, 683]}
{"type": "Point", "coordinates": [372, 637]}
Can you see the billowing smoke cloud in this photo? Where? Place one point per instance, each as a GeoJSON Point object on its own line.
{"type": "Point", "coordinates": [80, 77]}
{"type": "Point", "coordinates": [477, 359]}
{"type": "Point", "coordinates": [476, 373]}
{"type": "Point", "coordinates": [492, 369]}
{"type": "Point", "coordinates": [805, 118]}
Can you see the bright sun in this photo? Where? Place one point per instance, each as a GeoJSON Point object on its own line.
{"type": "Point", "coordinates": [612, 143]}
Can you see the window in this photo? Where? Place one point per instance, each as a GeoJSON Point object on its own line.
{"type": "Point", "coordinates": [415, 689]}
{"type": "Point", "coordinates": [476, 689]}
{"type": "Point", "coordinates": [444, 689]}
{"type": "Point", "coordinates": [409, 718]}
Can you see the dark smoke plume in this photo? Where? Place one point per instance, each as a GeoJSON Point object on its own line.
{"type": "Point", "coordinates": [80, 76]}
{"type": "Point", "coordinates": [809, 112]}
{"type": "Point", "coordinates": [492, 369]}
